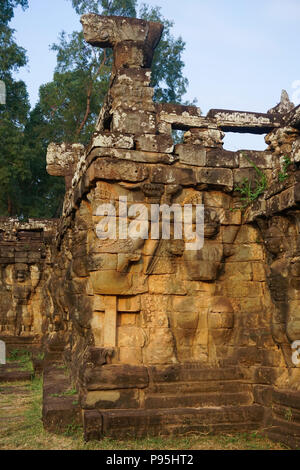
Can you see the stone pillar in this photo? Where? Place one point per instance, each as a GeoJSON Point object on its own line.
{"type": "Point", "coordinates": [110, 321]}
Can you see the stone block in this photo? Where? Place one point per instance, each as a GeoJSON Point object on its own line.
{"type": "Point", "coordinates": [118, 376]}
{"type": "Point", "coordinates": [262, 159]}
{"type": "Point", "coordinates": [220, 158]}
{"type": "Point", "coordinates": [112, 140]}
{"type": "Point", "coordinates": [216, 177]}
{"type": "Point", "coordinates": [118, 170]}
{"type": "Point", "coordinates": [163, 284]}
{"type": "Point", "coordinates": [131, 122]}
{"type": "Point", "coordinates": [130, 336]}
{"type": "Point", "coordinates": [154, 143]}
{"type": "Point", "coordinates": [191, 154]}
{"type": "Point", "coordinates": [110, 399]}
{"type": "Point", "coordinates": [172, 175]}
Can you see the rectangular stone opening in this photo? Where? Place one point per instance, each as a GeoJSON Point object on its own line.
{"type": "Point", "coordinates": [235, 141]}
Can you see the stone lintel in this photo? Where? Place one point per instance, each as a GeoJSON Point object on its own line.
{"type": "Point", "coordinates": [245, 122]}
{"type": "Point", "coordinates": [132, 155]}
{"type": "Point", "coordinates": [225, 120]}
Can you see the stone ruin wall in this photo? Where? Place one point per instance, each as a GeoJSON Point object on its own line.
{"type": "Point", "coordinates": [25, 261]}
{"type": "Point", "coordinates": [123, 310]}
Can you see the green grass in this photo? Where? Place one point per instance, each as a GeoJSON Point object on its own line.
{"type": "Point", "coordinates": [67, 393]}
{"type": "Point", "coordinates": [23, 357]}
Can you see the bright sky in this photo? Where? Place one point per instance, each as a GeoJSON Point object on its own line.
{"type": "Point", "coordinates": [239, 54]}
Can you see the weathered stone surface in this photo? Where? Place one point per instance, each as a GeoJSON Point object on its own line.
{"type": "Point", "coordinates": [210, 137]}
{"type": "Point", "coordinates": [59, 408]}
{"type": "Point", "coordinates": [133, 77]}
{"type": "Point", "coordinates": [191, 154]}
{"type": "Point", "coordinates": [155, 143]}
{"type": "Point", "coordinates": [172, 175]}
{"type": "Point", "coordinates": [134, 122]}
{"type": "Point", "coordinates": [260, 159]}
{"type": "Point", "coordinates": [62, 157]}
{"type": "Point", "coordinates": [113, 377]}
{"type": "Point", "coordinates": [219, 158]}
{"type": "Point", "coordinates": [109, 169]}
{"type": "Point", "coordinates": [219, 178]}
{"type": "Point", "coordinates": [241, 121]}
{"type": "Point", "coordinates": [110, 399]}
{"type": "Point", "coordinates": [109, 31]}
{"type": "Point", "coordinates": [133, 155]}
{"type": "Point", "coordinates": [294, 118]}
{"type": "Point", "coordinates": [149, 422]}
{"type": "Point", "coordinates": [112, 140]}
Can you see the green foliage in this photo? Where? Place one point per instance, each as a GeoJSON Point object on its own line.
{"type": "Point", "coordinates": [67, 393]}
{"type": "Point", "coordinates": [68, 106]}
{"type": "Point", "coordinates": [7, 9]}
{"type": "Point", "coordinates": [283, 175]}
{"type": "Point", "coordinates": [15, 171]}
{"type": "Point", "coordinates": [167, 69]}
{"type": "Point", "coordinates": [288, 414]}
{"type": "Point", "coordinates": [40, 356]}
{"type": "Point", "coordinates": [71, 102]}
{"type": "Point", "coordinates": [19, 355]}
{"type": "Point", "coordinates": [23, 357]}
{"type": "Point", "coordinates": [106, 7]}
{"type": "Point", "coordinates": [249, 193]}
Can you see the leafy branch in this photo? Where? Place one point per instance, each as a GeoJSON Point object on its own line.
{"type": "Point", "coordinates": [283, 175]}
{"type": "Point", "coordinates": [248, 193]}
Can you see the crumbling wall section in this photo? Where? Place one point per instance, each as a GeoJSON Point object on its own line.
{"type": "Point", "coordinates": [25, 261]}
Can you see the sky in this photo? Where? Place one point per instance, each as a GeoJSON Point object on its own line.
{"type": "Point", "coordinates": [239, 54]}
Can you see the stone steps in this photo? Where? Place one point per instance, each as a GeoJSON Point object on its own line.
{"type": "Point", "coordinates": [193, 372]}
{"type": "Point", "coordinates": [195, 386]}
{"type": "Point", "coordinates": [175, 388]}
{"type": "Point", "coordinates": [123, 401]}
{"type": "Point", "coordinates": [285, 432]}
{"type": "Point", "coordinates": [284, 422]}
{"type": "Point", "coordinates": [60, 401]}
{"type": "Point", "coordinates": [140, 423]}
{"type": "Point", "coordinates": [12, 372]}
{"type": "Point", "coordinates": [197, 400]}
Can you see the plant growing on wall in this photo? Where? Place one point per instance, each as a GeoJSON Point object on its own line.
{"type": "Point", "coordinates": [283, 175]}
{"type": "Point", "coordinates": [249, 193]}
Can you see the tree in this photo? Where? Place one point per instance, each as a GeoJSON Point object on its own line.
{"type": "Point", "coordinates": [71, 102]}
{"type": "Point", "coordinates": [69, 105]}
{"type": "Point", "coordinates": [14, 168]}
{"type": "Point", "coordinates": [26, 188]}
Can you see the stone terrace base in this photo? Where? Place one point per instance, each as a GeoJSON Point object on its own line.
{"type": "Point", "coordinates": [125, 401]}
{"type": "Point", "coordinates": [175, 400]}
{"type": "Point", "coordinates": [284, 421]}
{"type": "Point", "coordinates": [60, 405]}
{"type": "Point", "coordinates": [171, 421]}
{"type": "Point", "coordinates": [29, 343]}
{"type": "Point", "coordinates": [13, 372]}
